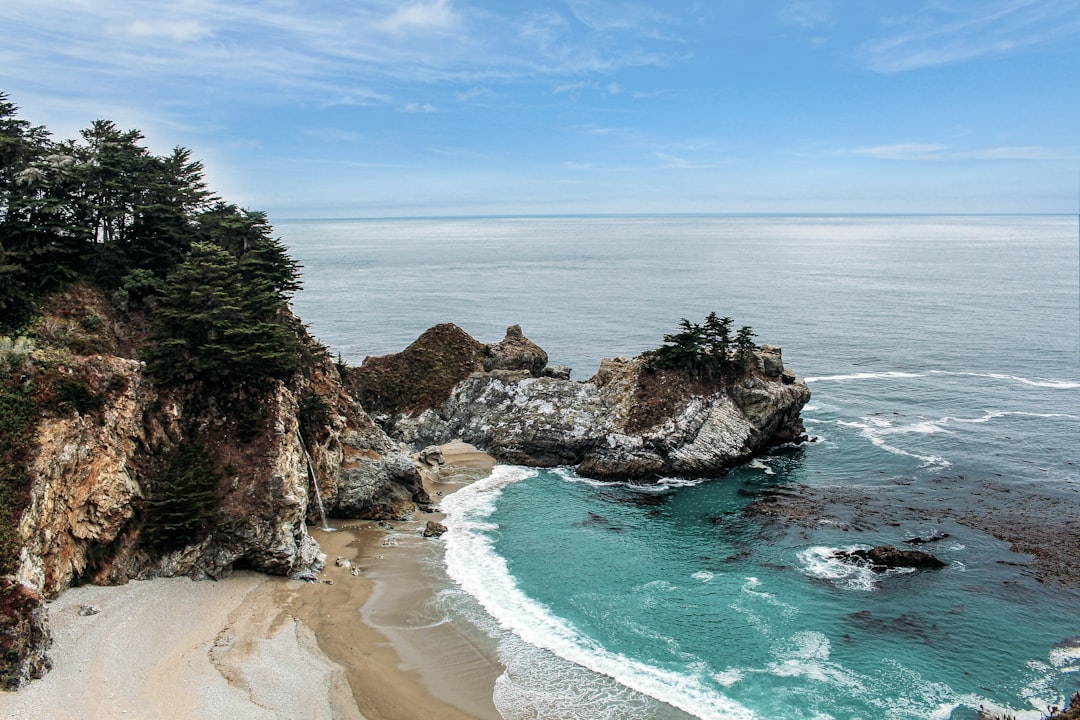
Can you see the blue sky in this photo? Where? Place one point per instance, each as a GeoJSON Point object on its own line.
{"type": "Point", "coordinates": [368, 108]}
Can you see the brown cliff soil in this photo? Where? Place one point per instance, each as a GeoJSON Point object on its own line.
{"type": "Point", "coordinates": [661, 393]}
{"type": "Point", "coordinates": [419, 377]}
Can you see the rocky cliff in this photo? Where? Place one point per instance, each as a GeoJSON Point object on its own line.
{"type": "Point", "coordinates": [628, 421]}
{"type": "Point", "coordinates": [94, 469]}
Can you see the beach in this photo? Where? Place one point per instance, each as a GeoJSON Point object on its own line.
{"type": "Point", "coordinates": [255, 646]}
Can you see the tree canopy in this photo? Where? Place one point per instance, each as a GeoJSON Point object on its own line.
{"type": "Point", "coordinates": [705, 350]}
{"type": "Point", "coordinates": [102, 208]}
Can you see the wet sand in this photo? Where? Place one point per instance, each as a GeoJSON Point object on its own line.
{"type": "Point", "coordinates": [365, 646]}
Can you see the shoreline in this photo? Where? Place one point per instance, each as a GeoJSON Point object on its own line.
{"type": "Point", "coordinates": [402, 658]}
{"type": "Point", "coordinates": [256, 646]}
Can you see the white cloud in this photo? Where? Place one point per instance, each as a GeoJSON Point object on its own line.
{"type": "Point", "coordinates": [418, 108]}
{"type": "Point", "coordinates": [424, 16]}
{"type": "Point", "coordinates": [571, 87]}
{"type": "Point", "coordinates": [807, 13]}
{"type": "Point", "coordinates": [904, 151]}
{"type": "Point", "coordinates": [941, 33]}
{"type": "Point", "coordinates": [939, 152]}
{"type": "Point", "coordinates": [177, 30]}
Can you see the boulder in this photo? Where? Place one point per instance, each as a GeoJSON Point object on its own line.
{"type": "Point", "coordinates": [887, 557]}
{"type": "Point", "coordinates": [515, 352]}
{"type": "Point", "coordinates": [434, 529]}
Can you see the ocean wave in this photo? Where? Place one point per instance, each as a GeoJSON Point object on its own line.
{"type": "Point", "coordinates": [473, 563]}
{"type": "Point", "coordinates": [1032, 382]}
{"type": "Point", "coordinates": [990, 415]}
{"type": "Point", "coordinates": [1049, 383]}
{"type": "Point", "coordinates": [877, 429]}
{"type": "Point", "coordinates": [888, 375]}
{"type": "Point", "coordinates": [821, 563]}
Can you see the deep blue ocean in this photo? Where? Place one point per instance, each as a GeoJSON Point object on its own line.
{"type": "Point", "coordinates": [943, 354]}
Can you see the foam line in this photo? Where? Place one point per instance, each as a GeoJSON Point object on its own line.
{"type": "Point", "coordinates": [893, 374]}
{"type": "Point", "coordinates": [472, 562]}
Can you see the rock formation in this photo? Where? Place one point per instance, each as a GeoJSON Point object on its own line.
{"type": "Point", "coordinates": [886, 557]}
{"type": "Point", "coordinates": [92, 474]}
{"type": "Point", "coordinates": [627, 421]}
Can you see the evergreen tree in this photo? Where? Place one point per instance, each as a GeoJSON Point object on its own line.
{"type": "Point", "coordinates": [181, 508]}
{"type": "Point", "coordinates": [718, 338]}
{"type": "Point", "coordinates": [216, 328]}
{"type": "Point", "coordinates": [744, 343]}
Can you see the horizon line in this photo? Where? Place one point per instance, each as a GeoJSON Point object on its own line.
{"type": "Point", "coordinates": [511, 216]}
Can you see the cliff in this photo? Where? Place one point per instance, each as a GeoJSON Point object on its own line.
{"type": "Point", "coordinates": [96, 469]}
{"type": "Point", "coordinates": [627, 421]}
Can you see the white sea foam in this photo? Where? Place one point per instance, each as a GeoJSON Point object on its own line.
{"type": "Point", "coordinates": [729, 677]}
{"type": "Point", "coordinates": [876, 430]}
{"type": "Point", "coordinates": [703, 576]}
{"type": "Point", "coordinates": [1033, 382]}
{"type": "Point", "coordinates": [759, 464]}
{"type": "Point", "coordinates": [890, 375]}
{"type": "Point", "coordinates": [821, 562]}
{"type": "Point", "coordinates": [472, 562]}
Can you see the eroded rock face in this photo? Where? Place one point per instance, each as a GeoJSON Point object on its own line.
{"type": "Point", "coordinates": [627, 421]}
{"type": "Point", "coordinates": [91, 473]}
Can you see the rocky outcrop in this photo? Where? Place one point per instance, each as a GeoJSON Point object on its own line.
{"type": "Point", "coordinates": [886, 557]}
{"type": "Point", "coordinates": [91, 476]}
{"type": "Point", "coordinates": [627, 421]}
{"type": "Point", "coordinates": [515, 352]}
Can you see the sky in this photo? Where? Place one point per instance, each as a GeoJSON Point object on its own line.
{"type": "Point", "coordinates": [383, 108]}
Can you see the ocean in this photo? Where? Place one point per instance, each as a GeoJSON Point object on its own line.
{"type": "Point", "coordinates": [943, 354]}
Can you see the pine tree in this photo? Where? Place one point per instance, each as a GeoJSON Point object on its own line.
{"type": "Point", "coordinates": [216, 328]}
{"type": "Point", "coordinates": [181, 508]}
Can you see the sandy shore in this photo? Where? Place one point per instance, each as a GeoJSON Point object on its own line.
{"type": "Point", "coordinates": [251, 646]}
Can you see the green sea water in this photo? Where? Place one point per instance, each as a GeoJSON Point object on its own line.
{"type": "Point", "coordinates": [943, 355]}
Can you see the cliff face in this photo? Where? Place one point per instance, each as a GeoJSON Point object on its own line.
{"type": "Point", "coordinates": [92, 475]}
{"type": "Point", "coordinates": [627, 421]}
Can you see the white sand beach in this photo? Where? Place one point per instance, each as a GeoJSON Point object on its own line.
{"type": "Point", "coordinates": [253, 646]}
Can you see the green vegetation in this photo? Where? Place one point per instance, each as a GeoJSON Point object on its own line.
{"type": "Point", "coordinates": [184, 502]}
{"type": "Point", "coordinates": [705, 351]}
{"type": "Point", "coordinates": [106, 248]}
{"type": "Point", "coordinates": [104, 210]}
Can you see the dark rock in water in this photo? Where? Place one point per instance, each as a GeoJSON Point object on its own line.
{"type": "Point", "coordinates": [911, 626]}
{"type": "Point", "coordinates": [923, 540]}
{"type": "Point", "coordinates": [385, 525]}
{"type": "Point", "coordinates": [886, 557]}
{"type": "Point", "coordinates": [434, 529]}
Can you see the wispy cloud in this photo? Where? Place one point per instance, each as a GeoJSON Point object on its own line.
{"type": "Point", "coordinates": [424, 16]}
{"type": "Point", "coordinates": [672, 162]}
{"type": "Point", "coordinates": [809, 14]}
{"type": "Point", "coordinates": [947, 31]}
{"type": "Point", "coordinates": [176, 30]}
{"type": "Point", "coordinates": [938, 152]}
{"type": "Point", "coordinates": [417, 108]}
{"type": "Point", "coordinates": [571, 87]}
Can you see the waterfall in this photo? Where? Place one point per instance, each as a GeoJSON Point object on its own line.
{"type": "Point", "coordinates": [314, 481]}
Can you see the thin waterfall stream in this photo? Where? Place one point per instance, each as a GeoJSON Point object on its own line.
{"type": "Point", "coordinates": [315, 481]}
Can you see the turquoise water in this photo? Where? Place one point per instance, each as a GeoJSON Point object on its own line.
{"type": "Point", "coordinates": [944, 359]}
